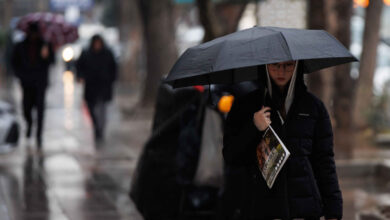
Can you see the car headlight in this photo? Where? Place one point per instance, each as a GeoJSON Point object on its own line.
{"type": "Point", "coordinates": [68, 54]}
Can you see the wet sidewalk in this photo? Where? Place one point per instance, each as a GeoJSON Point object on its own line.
{"type": "Point", "coordinates": [74, 178]}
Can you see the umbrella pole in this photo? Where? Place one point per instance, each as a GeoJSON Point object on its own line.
{"type": "Point", "coordinates": [209, 96]}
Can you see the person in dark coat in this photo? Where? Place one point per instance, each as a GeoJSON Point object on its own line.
{"type": "Point", "coordinates": [307, 185]}
{"type": "Point", "coordinates": [160, 176]}
{"type": "Point", "coordinates": [97, 68]}
{"type": "Point", "coordinates": [30, 61]}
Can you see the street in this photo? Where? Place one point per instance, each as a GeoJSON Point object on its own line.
{"type": "Point", "coordinates": [73, 178]}
{"type": "Point", "coordinates": [80, 85]}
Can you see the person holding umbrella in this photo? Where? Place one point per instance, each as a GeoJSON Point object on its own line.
{"type": "Point", "coordinates": [32, 57]}
{"type": "Point", "coordinates": [30, 60]}
{"type": "Point", "coordinates": [307, 185]}
{"type": "Point", "coordinates": [97, 68]}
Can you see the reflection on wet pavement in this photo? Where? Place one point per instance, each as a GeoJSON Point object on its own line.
{"type": "Point", "coordinates": [365, 184]}
{"type": "Point", "coordinates": [362, 194]}
{"type": "Point", "coordinates": [72, 178]}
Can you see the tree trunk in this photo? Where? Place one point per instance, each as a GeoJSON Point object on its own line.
{"type": "Point", "coordinates": [230, 15]}
{"type": "Point", "coordinates": [367, 67]}
{"type": "Point", "coordinates": [131, 37]}
{"type": "Point", "coordinates": [343, 83]}
{"type": "Point", "coordinates": [42, 5]}
{"type": "Point", "coordinates": [320, 82]}
{"type": "Point", "coordinates": [161, 52]}
{"type": "Point", "coordinates": [5, 74]}
{"type": "Point", "coordinates": [257, 14]}
{"type": "Point", "coordinates": [7, 12]}
{"type": "Point", "coordinates": [221, 19]}
{"type": "Point", "coordinates": [209, 20]}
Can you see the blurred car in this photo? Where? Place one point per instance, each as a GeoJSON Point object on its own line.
{"type": "Point", "coordinates": [68, 57]}
{"type": "Point", "coordinates": [9, 128]}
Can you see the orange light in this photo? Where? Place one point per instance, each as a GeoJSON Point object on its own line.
{"type": "Point", "coordinates": [225, 103]}
{"type": "Point", "coordinates": [387, 2]}
{"type": "Point", "coordinates": [361, 3]}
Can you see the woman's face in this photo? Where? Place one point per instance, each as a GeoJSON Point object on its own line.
{"type": "Point", "coordinates": [281, 73]}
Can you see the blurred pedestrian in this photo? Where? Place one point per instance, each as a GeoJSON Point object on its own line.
{"type": "Point", "coordinates": [97, 68]}
{"type": "Point", "coordinates": [307, 185]}
{"type": "Point", "coordinates": [31, 59]}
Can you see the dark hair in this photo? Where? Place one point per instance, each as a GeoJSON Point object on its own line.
{"type": "Point", "coordinates": [33, 28]}
{"type": "Point", "coordinates": [299, 81]}
{"type": "Point", "coordinates": [96, 37]}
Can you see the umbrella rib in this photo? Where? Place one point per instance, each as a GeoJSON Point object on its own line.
{"type": "Point", "coordinates": [217, 57]}
{"type": "Point", "coordinates": [288, 48]}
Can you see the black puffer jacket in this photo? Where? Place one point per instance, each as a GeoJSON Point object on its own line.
{"type": "Point", "coordinates": [307, 186]}
{"type": "Point", "coordinates": [28, 64]}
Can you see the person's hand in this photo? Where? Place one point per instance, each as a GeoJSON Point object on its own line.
{"type": "Point", "coordinates": [45, 52]}
{"type": "Point", "coordinates": [262, 118]}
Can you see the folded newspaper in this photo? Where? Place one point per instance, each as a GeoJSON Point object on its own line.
{"type": "Point", "coordinates": [271, 155]}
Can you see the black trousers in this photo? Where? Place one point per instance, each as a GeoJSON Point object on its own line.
{"type": "Point", "coordinates": [97, 110]}
{"type": "Point", "coordinates": [34, 98]}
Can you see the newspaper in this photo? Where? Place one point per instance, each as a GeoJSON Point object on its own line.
{"type": "Point", "coordinates": [271, 156]}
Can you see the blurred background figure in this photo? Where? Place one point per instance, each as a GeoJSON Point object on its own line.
{"type": "Point", "coordinates": [182, 158]}
{"type": "Point", "coordinates": [97, 68]}
{"type": "Point", "coordinates": [31, 60]}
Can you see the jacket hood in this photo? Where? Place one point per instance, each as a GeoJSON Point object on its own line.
{"type": "Point", "coordinates": [94, 38]}
{"type": "Point", "coordinates": [291, 88]}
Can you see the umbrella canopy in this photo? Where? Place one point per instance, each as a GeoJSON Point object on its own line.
{"type": "Point", "coordinates": [53, 27]}
{"type": "Point", "coordinates": [235, 57]}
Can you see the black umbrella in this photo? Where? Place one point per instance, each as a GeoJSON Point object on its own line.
{"type": "Point", "coordinates": [236, 57]}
